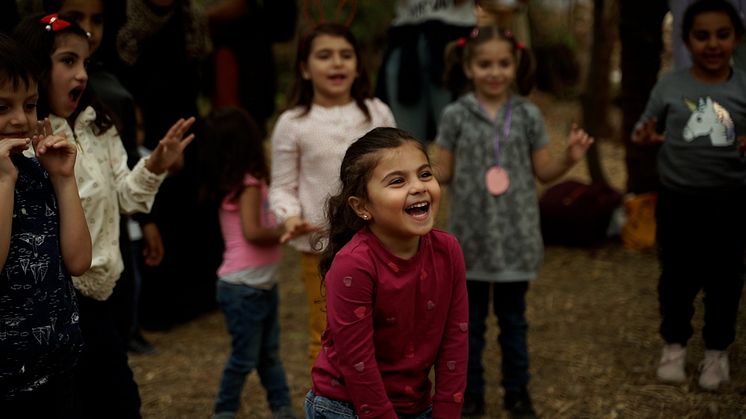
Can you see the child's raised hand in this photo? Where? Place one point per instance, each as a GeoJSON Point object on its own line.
{"type": "Point", "coordinates": [578, 142]}
{"type": "Point", "coordinates": [295, 227]}
{"type": "Point", "coordinates": [55, 153]}
{"type": "Point", "coordinates": [647, 133]}
{"type": "Point", "coordinates": [9, 146]}
{"type": "Point", "coordinates": [171, 147]}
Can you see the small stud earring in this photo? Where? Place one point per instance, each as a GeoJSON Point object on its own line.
{"type": "Point", "coordinates": [365, 217]}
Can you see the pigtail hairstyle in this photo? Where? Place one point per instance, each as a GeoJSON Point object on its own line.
{"type": "Point", "coordinates": [40, 40]}
{"type": "Point", "coordinates": [357, 166]}
{"type": "Point", "coordinates": [17, 67]}
{"type": "Point", "coordinates": [460, 53]}
{"type": "Point", "coordinates": [233, 147]}
{"type": "Point", "coordinates": [703, 6]}
{"type": "Point", "coordinates": [301, 93]}
{"type": "Point", "coordinates": [454, 77]}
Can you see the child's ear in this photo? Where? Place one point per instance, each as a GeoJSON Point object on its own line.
{"type": "Point", "coordinates": [467, 71]}
{"type": "Point", "coordinates": [358, 205]}
{"type": "Point", "coordinates": [304, 72]}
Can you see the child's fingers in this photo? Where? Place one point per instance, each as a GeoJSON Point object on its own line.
{"type": "Point", "coordinates": [51, 141]}
{"type": "Point", "coordinates": [180, 127]}
{"type": "Point", "coordinates": [175, 128]}
{"type": "Point", "coordinates": [189, 122]}
{"type": "Point", "coordinates": [185, 142]}
{"type": "Point", "coordinates": [11, 145]}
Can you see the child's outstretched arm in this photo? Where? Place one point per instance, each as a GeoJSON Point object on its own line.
{"type": "Point", "coordinates": [171, 147]}
{"type": "Point", "coordinates": [8, 177]}
{"type": "Point", "coordinates": [296, 226]}
{"type": "Point", "coordinates": [57, 156]}
{"type": "Point", "coordinates": [548, 169]}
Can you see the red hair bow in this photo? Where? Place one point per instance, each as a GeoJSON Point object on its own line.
{"type": "Point", "coordinates": [54, 22]}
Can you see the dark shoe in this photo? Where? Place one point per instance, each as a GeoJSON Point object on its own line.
{"type": "Point", "coordinates": [139, 345]}
{"type": "Point", "coordinates": [473, 405]}
{"type": "Point", "coordinates": [519, 406]}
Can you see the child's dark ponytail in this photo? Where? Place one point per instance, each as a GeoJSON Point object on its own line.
{"type": "Point", "coordinates": [454, 78]}
{"type": "Point", "coordinates": [460, 53]}
{"type": "Point", "coordinates": [524, 74]}
{"type": "Point", "coordinates": [357, 166]}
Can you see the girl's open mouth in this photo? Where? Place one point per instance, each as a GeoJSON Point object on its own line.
{"type": "Point", "coordinates": [418, 209]}
{"type": "Point", "coordinates": [75, 94]}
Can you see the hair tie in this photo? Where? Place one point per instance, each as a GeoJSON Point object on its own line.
{"type": "Point", "coordinates": [461, 41]}
{"type": "Point", "coordinates": [520, 45]}
{"type": "Point", "coordinates": [54, 22]}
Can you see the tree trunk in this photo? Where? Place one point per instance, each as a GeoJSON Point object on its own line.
{"type": "Point", "coordinates": [596, 99]}
{"type": "Point", "coordinates": [640, 34]}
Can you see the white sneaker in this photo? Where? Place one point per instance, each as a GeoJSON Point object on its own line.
{"type": "Point", "coordinates": [714, 370]}
{"type": "Point", "coordinates": [671, 367]}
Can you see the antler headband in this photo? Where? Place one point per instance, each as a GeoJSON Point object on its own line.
{"type": "Point", "coordinates": [320, 15]}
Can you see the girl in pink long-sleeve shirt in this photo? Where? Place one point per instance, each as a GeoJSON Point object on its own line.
{"type": "Point", "coordinates": [396, 291]}
{"type": "Point", "coordinates": [329, 108]}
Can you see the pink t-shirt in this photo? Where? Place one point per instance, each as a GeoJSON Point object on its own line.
{"type": "Point", "coordinates": [239, 253]}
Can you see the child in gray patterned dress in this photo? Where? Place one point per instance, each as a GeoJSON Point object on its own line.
{"type": "Point", "coordinates": [491, 144]}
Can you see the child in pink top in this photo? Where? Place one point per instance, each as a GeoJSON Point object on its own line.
{"type": "Point", "coordinates": [329, 108]}
{"type": "Point", "coordinates": [247, 287]}
{"type": "Point", "coordinates": [396, 291]}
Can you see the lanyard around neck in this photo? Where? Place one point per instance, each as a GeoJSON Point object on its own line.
{"type": "Point", "coordinates": [507, 122]}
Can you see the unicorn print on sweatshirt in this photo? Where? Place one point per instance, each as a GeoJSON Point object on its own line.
{"type": "Point", "coordinates": [709, 118]}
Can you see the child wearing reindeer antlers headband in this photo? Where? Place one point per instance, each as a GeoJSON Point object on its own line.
{"type": "Point", "coordinates": [329, 108]}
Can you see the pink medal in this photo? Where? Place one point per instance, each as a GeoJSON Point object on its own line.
{"type": "Point", "coordinates": [496, 178]}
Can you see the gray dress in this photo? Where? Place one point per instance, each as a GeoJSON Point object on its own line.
{"type": "Point", "coordinates": [500, 235]}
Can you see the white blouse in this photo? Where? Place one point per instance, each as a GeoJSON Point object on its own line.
{"type": "Point", "coordinates": [107, 188]}
{"type": "Point", "coordinates": [307, 154]}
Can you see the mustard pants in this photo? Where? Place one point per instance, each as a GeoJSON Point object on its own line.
{"type": "Point", "coordinates": [309, 266]}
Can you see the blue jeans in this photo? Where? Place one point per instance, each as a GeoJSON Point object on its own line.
{"type": "Point", "coordinates": [251, 318]}
{"type": "Point", "coordinates": [509, 305]}
{"type": "Point", "coordinates": [319, 407]}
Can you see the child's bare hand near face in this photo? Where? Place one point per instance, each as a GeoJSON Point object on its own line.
{"type": "Point", "coordinates": [171, 147]}
{"type": "Point", "coordinates": [55, 153]}
{"type": "Point", "coordinates": [8, 146]}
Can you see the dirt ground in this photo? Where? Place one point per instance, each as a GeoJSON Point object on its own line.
{"type": "Point", "coordinates": [593, 337]}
